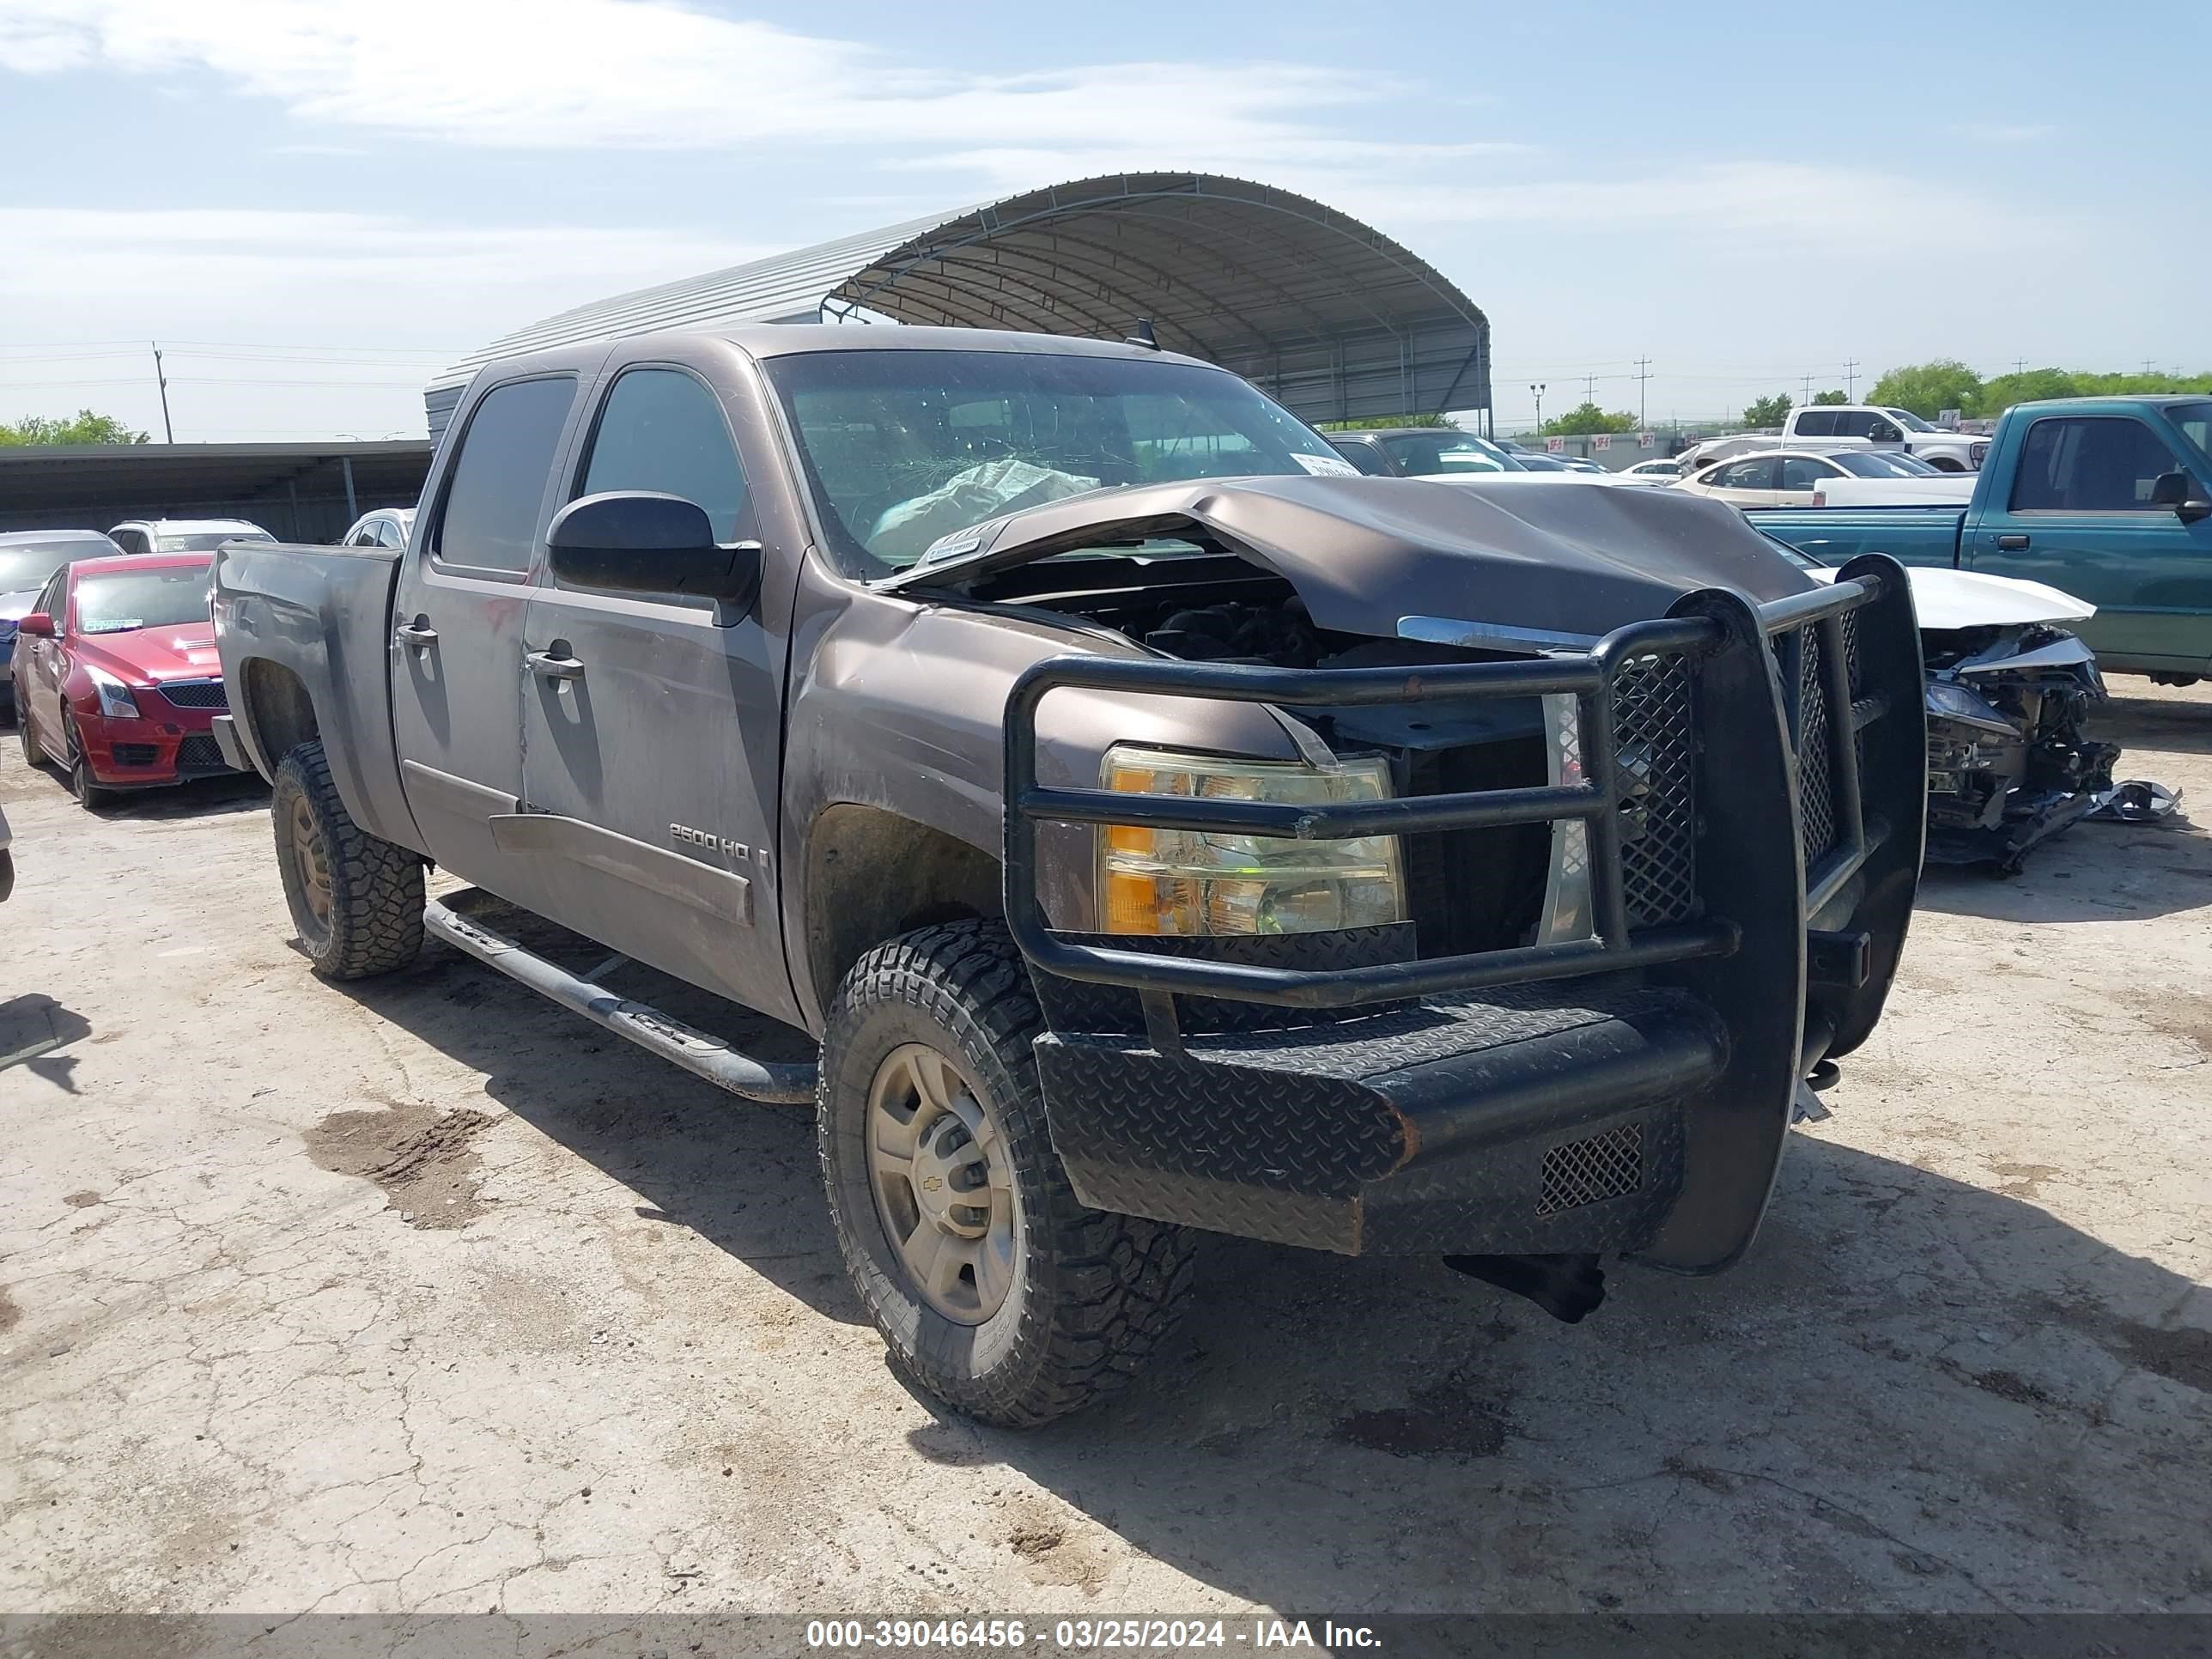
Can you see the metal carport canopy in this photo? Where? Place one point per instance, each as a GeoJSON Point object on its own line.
{"type": "Point", "coordinates": [1329, 315]}
{"type": "Point", "coordinates": [312, 491]}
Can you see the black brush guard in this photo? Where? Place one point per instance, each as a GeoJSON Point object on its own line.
{"type": "Point", "coordinates": [1470, 1116]}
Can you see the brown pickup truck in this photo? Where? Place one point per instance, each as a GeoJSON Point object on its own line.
{"type": "Point", "coordinates": [1156, 827]}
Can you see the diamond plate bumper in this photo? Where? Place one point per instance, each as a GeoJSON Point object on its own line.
{"type": "Point", "coordinates": [1529, 1119]}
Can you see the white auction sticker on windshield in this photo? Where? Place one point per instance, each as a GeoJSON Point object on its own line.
{"type": "Point", "coordinates": [1327, 466]}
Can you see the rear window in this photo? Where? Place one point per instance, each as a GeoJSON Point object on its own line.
{"type": "Point", "coordinates": [1816, 423]}
{"type": "Point", "coordinates": [498, 488]}
{"type": "Point", "coordinates": [1873, 463]}
{"type": "Point", "coordinates": [26, 564]}
{"type": "Point", "coordinates": [118, 601]}
{"type": "Point", "coordinates": [206, 541]}
{"type": "Point", "coordinates": [1431, 454]}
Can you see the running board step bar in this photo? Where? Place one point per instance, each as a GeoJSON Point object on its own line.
{"type": "Point", "coordinates": [709, 1057]}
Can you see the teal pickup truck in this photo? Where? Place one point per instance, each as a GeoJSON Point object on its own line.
{"type": "Point", "coordinates": [2107, 498]}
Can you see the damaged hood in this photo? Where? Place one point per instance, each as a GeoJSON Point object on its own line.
{"type": "Point", "coordinates": [1947, 600]}
{"type": "Point", "coordinates": [1571, 560]}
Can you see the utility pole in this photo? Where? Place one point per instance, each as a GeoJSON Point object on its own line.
{"type": "Point", "coordinates": [1851, 381]}
{"type": "Point", "coordinates": [168, 432]}
{"type": "Point", "coordinates": [1643, 374]}
{"type": "Point", "coordinates": [2147, 363]}
{"type": "Point", "coordinates": [2019, 365]}
{"type": "Point", "coordinates": [1536, 391]}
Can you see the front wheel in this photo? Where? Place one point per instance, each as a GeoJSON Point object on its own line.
{"type": "Point", "coordinates": [356, 901]}
{"type": "Point", "coordinates": [998, 1292]}
{"type": "Point", "coordinates": [89, 794]}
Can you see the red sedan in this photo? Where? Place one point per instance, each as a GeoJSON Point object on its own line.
{"type": "Point", "coordinates": [116, 676]}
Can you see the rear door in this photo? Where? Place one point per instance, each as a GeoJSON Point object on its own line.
{"type": "Point", "coordinates": [2080, 517]}
{"type": "Point", "coordinates": [652, 726]}
{"type": "Point", "coordinates": [1747, 484]}
{"type": "Point", "coordinates": [457, 672]}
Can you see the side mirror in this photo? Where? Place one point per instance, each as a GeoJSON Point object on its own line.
{"type": "Point", "coordinates": [2175, 489]}
{"type": "Point", "coordinates": [36, 626]}
{"type": "Point", "coordinates": [642, 542]}
{"type": "Point", "coordinates": [1884, 434]}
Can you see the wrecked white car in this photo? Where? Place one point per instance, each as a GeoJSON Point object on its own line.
{"type": "Point", "coordinates": [2009, 690]}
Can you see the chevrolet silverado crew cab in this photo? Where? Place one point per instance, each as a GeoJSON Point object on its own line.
{"type": "Point", "coordinates": [1149, 827]}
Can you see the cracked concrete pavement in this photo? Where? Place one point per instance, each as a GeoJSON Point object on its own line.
{"type": "Point", "coordinates": [423, 1297]}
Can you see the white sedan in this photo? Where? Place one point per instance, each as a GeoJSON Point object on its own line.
{"type": "Point", "coordinates": [1800, 478]}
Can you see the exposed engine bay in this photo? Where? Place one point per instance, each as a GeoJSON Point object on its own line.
{"type": "Point", "coordinates": [1473, 889]}
{"type": "Point", "coordinates": [2009, 765]}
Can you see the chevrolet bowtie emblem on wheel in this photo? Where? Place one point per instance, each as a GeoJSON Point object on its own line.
{"type": "Point", "coordinates": [930, 1183]}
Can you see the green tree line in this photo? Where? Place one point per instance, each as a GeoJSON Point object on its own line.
{"type": "Point", "coordinates": [85, 427]}
{"type": "Point", "coordinates": [1928, 389]}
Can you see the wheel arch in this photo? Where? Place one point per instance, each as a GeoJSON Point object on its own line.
{"type": "Point", "coordinates": [277, 713]}
{"type": "Point", "coordinates": [873, 874]}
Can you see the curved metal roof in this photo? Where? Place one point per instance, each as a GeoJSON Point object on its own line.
{"type": "Point", "coordinates": [1334, 318]}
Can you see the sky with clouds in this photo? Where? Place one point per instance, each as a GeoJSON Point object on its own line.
{"type": "Point", "coordinates": [314, 204]}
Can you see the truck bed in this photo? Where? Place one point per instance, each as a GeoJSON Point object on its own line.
{"type": "Point", "coordinates": [292, 617]}
{"type": "Point", "coordinates": [1836, 535]}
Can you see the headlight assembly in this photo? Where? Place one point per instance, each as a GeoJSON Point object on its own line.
{"type": "Point", "coordinates": [116, 701]}
{"type": "Point", "coordinates": [1175, 882]}
{"type": "Point", "coordinates": [1948, 700]}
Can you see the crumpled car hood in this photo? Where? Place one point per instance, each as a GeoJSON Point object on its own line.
{"type": "Point", "coordinates": [1947, 600]}
{"type": "Point", "coordinates": [1367, 554]}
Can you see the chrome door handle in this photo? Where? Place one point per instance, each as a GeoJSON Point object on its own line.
{"type": "Point", "coordinates": [418, 634]}
{"type": "Point", "coordinates": [556, 662]}
{"type": "Point", "coordinates": [2010, 543]}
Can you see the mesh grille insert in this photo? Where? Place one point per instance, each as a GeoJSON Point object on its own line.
{"type": "Point", "coordinates": [1816, 801]}
{"type": "Point", "coordinates": [199, 750]}
{"type": "Point", "coordinates": [1654, 736]}
{"type": "Point", "coordinates": [196, 693]}
{"type": "Point", "coordinates": [1590, 1170]}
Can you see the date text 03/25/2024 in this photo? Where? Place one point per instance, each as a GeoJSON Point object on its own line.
{"type": "Point", "coordinates": [1084, 1635]}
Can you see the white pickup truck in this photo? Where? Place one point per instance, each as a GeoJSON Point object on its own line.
{"type": "Point", "coordinates": [1887, 428]}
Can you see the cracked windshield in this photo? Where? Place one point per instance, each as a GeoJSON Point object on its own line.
{"type": "Point", "coordinates": [905, 450]}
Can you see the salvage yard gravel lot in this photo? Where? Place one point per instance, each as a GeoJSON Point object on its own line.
{"type": "Point", "coordinates": [421, 1295]}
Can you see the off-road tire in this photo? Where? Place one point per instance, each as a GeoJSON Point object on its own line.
{"type": "Point", "coordinates": [1092, 1293]}
{"type": "Point", "coordinates": [375, 920]}
{"type": "Point", "coordinates": [90, 795]}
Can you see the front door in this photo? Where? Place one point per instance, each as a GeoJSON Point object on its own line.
{"type": "Point", "coordinates": [457, 672]}
{"type": "Point", "coordinates": [652, 727]}
{"type": "Point", "coordinates": [38, 677]}
{"type": "Point", "coordinates": [2081, 518]}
